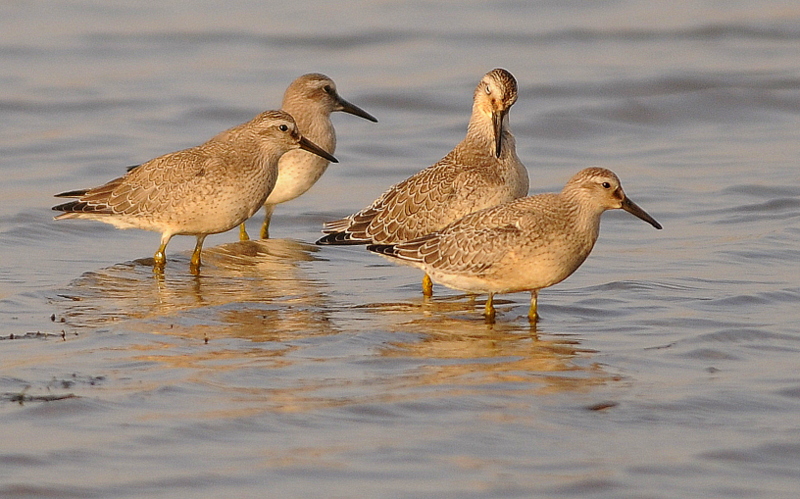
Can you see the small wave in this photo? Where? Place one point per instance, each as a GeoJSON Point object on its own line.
{"type": "Point", "coordinates": [742, 335]}
{"type": "Point", "coordinates": [707, 32]}
{"type": "Point", "coordinates": [61, 105]}
{"type": "Point", "coordinates": [773, 210]}
{"type": "Point", "coordinates": [663, 85]}
{"type": "Point", "coordinates": [336, 41]}
{"type": "Point", "coordinates": [773, 459]}
{"type": "Point", "coordinates": [763, 191]}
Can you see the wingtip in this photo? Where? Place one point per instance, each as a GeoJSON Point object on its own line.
{"type": "Point", "coordinates": [382, 249]}
{"type": "Point", "coordinates": [71, 194]}
{"type": "Point", "coordinates": [332, 239]}
{"type": "Point", "coordinates": [324, 240]}
{"type": "Point", "coordinates": [65, 207]}
{"type": "Point", "coordinates": [339, 239]}
{"type": "Point", "coordinates": [78, 207]}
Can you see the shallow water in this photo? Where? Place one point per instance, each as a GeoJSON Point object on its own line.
{"type": "Point", "coordinates": [667, 366]}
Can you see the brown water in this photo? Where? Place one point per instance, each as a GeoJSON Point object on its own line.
{"type": "Point", "coordinates": [667, 366]}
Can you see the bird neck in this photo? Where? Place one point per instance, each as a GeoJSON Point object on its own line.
{"type": "Point", "coordinates": [314, 123]}
{"type": "Point", "coordinates": [586, 216]}
{"type": "Point", "coordinates": [480, 135]}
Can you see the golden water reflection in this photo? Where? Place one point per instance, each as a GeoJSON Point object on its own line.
{"type": "Point", "coordinates": [468, 352]}
{"type": "Point", "coordinates": [309, 352]}
{"type": "Point", "coordinates": [249, 289]}
{"type": "Point", "coordinates": [424, 358]}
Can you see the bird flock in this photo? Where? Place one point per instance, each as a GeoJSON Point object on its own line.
{"type": "Point", "coordinates": [466, 221]}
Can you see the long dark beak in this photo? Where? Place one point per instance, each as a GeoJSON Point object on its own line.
{"type": "Point", "coordinates": [497, 125]}
{"type": "Point", "coordinates": [346, 107]}
{"type": "Point", "coordinates": [634, 209]}
{"type": "Point", "coordinates": [314, 148]}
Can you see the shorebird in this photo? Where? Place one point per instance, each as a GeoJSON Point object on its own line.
{"type": "Point", "coordinates": [310, 99]}
{"type": "Point", "coordinates": [483, 170]}
{"type": "Point", "coordinates": [524, 245]}
{"type": "Point", "coordinates": [198, 191]}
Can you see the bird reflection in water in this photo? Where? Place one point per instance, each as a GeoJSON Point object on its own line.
{"type": "Point", "coordinates": [464, 353]}
{"type": "Point", "coordinates": [252, 289]}
{"type": "Point", "coordinates": [261, 291]}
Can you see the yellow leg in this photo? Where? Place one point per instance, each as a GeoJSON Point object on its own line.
{"type": "Point", "coordinates": [489, 312]}
{"type": "Point", "coordinates": [427, 286]}
{"type": "Point", "coordinates": [194, 266]}
{"type": "Point", "coordinates": [268, 209]}
{"type": "Point", "coordinates": [160, 258]}
{"type": "Point", "coordinates": [243, 233]}
{"type": "Point", "coordinates": [533, 314]}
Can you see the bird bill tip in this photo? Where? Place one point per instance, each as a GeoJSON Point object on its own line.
{"type": "Point", "coordinates": [636, 211]}
{"type": "Point", "coordinates": [349, 108]}
{"type": "Point", "coordinates": [311, 147]}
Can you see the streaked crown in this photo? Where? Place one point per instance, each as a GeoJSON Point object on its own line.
{"type": "Point", "coordinates": [501, 86]}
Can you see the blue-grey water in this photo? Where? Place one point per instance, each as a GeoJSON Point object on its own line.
{"type": "Point", "coordinates": [667, 366]}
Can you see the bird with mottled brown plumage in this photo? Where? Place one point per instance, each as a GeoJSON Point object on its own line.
{"type": "Point", "coordinates": [310, 99]}
{"type": "Point", "coordinates": [524, 245]}
{"type": "Point", "coordinates": [483, 170]}
{"type": "Point", "coordinates": [198, 191]}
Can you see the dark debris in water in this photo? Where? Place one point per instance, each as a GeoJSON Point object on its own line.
{"type": "Point", "coordinates": [56, 384]}
{"type": "Point", "coordinates": [34, 335]}
{"type": "Point", "coordinates": [601, 406]}
{"type": "Point", "coordinates": [70, 297]}
{"type": "Point", "coordinates": [21, 398]}
{"type": "Point", "coordinates": [30, 335]}
{"type": "Point", "coordinates": [76, 379]}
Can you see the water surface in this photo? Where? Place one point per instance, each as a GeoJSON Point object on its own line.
{"type": "Point", "coordinates": [667, 366]}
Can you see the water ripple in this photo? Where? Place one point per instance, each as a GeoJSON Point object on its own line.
{"type": "Point", "coordinates": [196, 38]}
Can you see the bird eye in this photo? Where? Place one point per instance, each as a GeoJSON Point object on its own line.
{"type": "Point", "coordinates": [283, 128]}
{"type": "Point", "coordinates": [488, 89]}
{"type": "Point", "coordinates": [327, 89]}
{"type": "Point", "coordinates": [606, 185]}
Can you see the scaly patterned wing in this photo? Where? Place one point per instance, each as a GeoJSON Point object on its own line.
{"type": "Point", "coordinates": [471, 245]}
{"type": "Point", "coordinates": [411, 208]}
{"type": "Point", "coordinates": [142, 190]}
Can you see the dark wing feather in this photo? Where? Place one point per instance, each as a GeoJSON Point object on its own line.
{"type": "Point", "coordinates": [72, 194]}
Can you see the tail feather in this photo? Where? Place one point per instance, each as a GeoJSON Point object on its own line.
{"type": "Point", "coordinates": [341, 238]}
{"type": "Point", "coordinates": [83, 207]}
{"type": "Point", "coordinates": [383, 249]}
{"type": "Point", "coordinates": [72, 194]}
{"type": "Point", "coordinates": [95, 200]}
